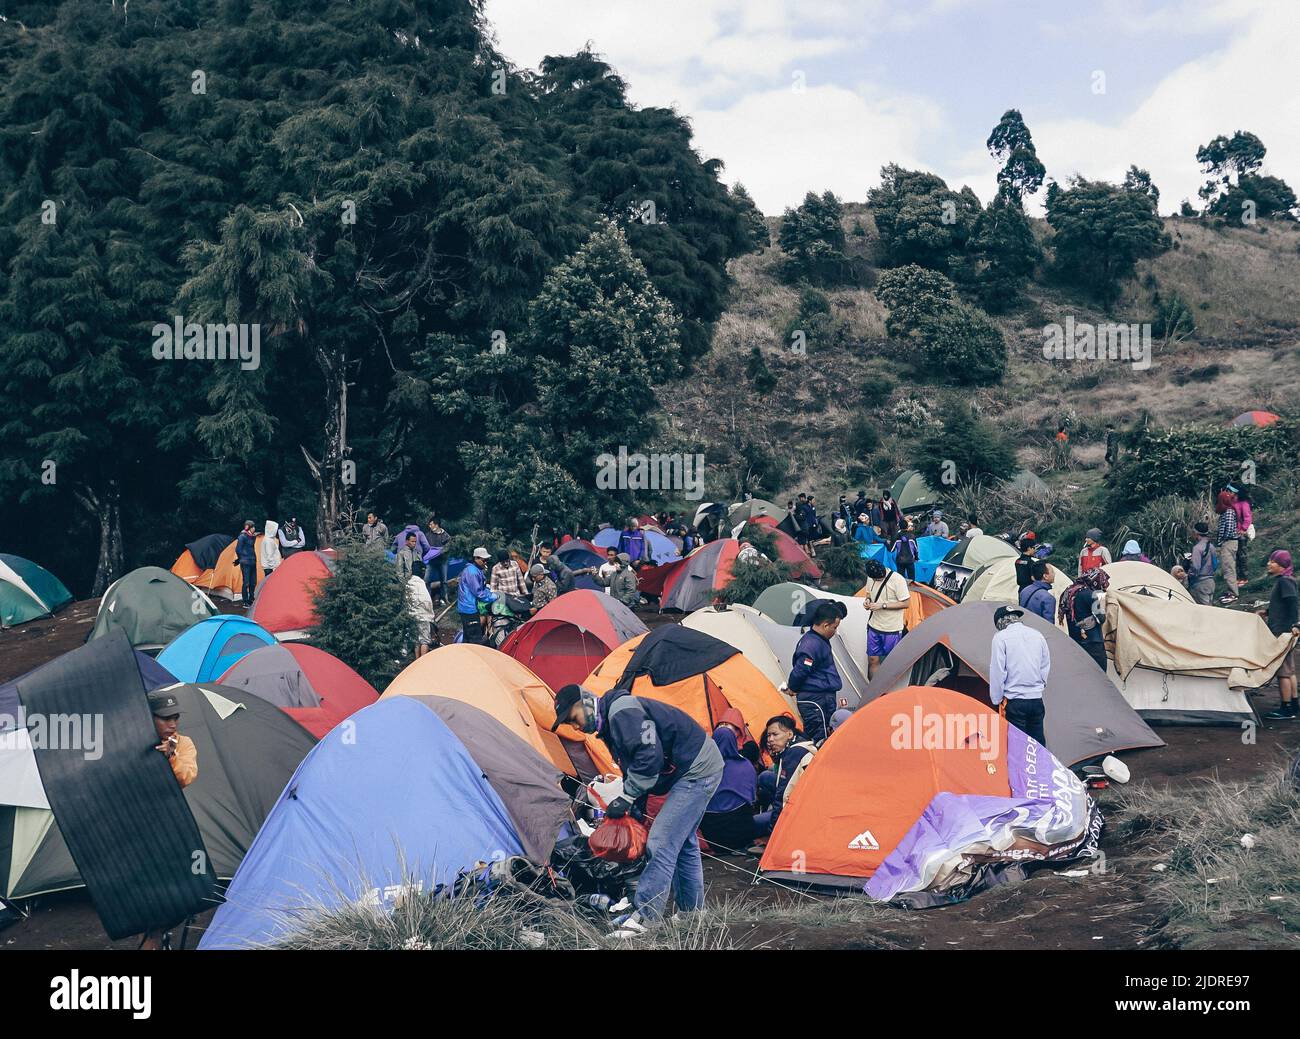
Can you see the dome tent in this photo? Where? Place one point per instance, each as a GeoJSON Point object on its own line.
{"type": "Point", "coordinates": [284, 603]}
{"type": "Point", "coordinates": [911, 491]}
{"type": "Point", "coordinates": [28, 591]}
{"type": "Point", "coordinates": [152, 606]}
{"type": "Point", "coordinates": [205, 651]}
{"type": "Point", "coordinates": [570, 635]}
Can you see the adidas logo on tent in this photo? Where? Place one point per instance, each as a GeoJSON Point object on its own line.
{"type": "Point", "coordinates": [865, 841]}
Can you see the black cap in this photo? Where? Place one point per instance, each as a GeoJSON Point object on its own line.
{"type": "Point", "coordinates": [164, 704]}
{"type": "Point", "coordinates": [1007, 613]}
{"type": "Point", "coordinates": [564, 700]}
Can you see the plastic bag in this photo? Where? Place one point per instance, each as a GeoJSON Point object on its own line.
{"type": "Point", "coordinates": [619, 840]}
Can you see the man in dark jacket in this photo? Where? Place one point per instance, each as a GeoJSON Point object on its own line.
{"type": "Point", "coordinates": [1282, 616]}
{"type": "Point", "coordinates": [1028, 545]}
{"type": "Point", "coordinates": [787, 749]}
{"type": "Point", "coordinates": [814, 679]}
{"type": "Point", "coordinates": [437, 559]}
{"type": "Point", "coordinates": [661, 750]}
{"type": "Point", "coordinates": [1036, 597]}
{"type": "Point", "coordinates": [246, 556]}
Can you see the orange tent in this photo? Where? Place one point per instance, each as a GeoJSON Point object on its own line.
{"type": "Point", "coordinates": [704, 695]}
{"type": "Point", "coordinates": [224, 578]}
{"type": "Point", "coordinates": [876, 774]}
{"type": "Point", "coordinates": [504, 688]}
{"type": "Point", "coordinates": [925, 602]}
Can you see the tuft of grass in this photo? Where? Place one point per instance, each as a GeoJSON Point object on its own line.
{"type": "Point", "coordinates": [1215, 891]}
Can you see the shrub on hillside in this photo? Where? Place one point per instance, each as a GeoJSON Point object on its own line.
{"type": "Point", "coordinates": [1000, 508]}
{"type": "Point", "coordinates": [750, 578]}
{"type": "Point", "coordinates": [964, 448]}
{"type": "Point", "coordinates": [363, 615]}
{"type": "Point", "coordinates": [843, 563]}
{"type": "Point", "coordinates": [1163, 526]}
{"type": "Point", "coordinates": [963, 346]}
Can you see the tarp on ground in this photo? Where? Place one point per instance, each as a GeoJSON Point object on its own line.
{"type": "Point", "coordinates": [124, 817]}
{"type": "Point", "coordinates": [1189, 639]}
{"type": "Point", "coordinates": [926, 795]}
{"type": "Point", "coordinates": [931, 550]}
{"type": "Point", "coordinates": [152, 606]}
{"type": "Point", "coordinates": [1086, 715]}
{"type": "Point", "coordinates": [399, 804]}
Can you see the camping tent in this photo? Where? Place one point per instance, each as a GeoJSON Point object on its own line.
{"type": "Point", "coordinates": [658, 544]}
{"type": "Point", "coordinates": [152, 606]}
{"type": "Point", "coordinates": [786, 603]}
{"type": "Point", "coordinates": [1179, 662]}
{"type": "Point", "coordinates": [925, 602]}
{"type": "Point", "coordinates": [205, 651]}
{"type": "Point", "coordinates": [752, 509]}
{"type": "Point", "coordinates": [1086, 718]}
{"type": "Point", "coordinates": [570, 635]}
{"type": "Point", "coordinates": [695, 581]}
{"type": "Point", "coordinates": [505, 689]}
{"type": "Point", "coordinates": [223, 578]}
{"type": "Point", "coordinates": [1131, 575]}
{"type": "Point", "coordinates": [393, 804]}
{"type": "Point", "coordinates": [315, 689]}
{"type": "Point", "coordinates": [769, 646]}
{"type": "Point", "coordinates": [788, 550]}
{"type": "Point", "coordinates": [975, 552]}
{"type": "Point", "coordinates": [1026, 482]}
{"type": "Point", "coordinates": [927, 796]}
{"type": "Point", "coordinates": [695, 672]}
{"type": "Point", "coordinates": [28, 591]}
{"type": "Point", "coordinates": [910, 491]}
{"type": "Point", "coordinates": [1255, 418]}
{"type": "Point", "coordinates": [578, 555]}
{"type": "Point", "coordinates": [284, 604]}
{"type": "Point", "coordinates": [995, 581]}
{"type": "Point", "coordinates": [247, 750]}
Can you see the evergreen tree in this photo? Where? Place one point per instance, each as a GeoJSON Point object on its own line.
{"type": "Point", "coordinates": [1011, 143]}
{"type": "Point", "coordinates": [1005, 253]}
{"type": "Point", "coordinates": [1101, 232]}
{"type": "Point", "coordinates": [759, 235]}
{"type": "Point", "coordinates": [363, 617]}
{"type": "Point", "coordinates": [812, 238]}
{"type": "Point", "coordinates": [920, 220]}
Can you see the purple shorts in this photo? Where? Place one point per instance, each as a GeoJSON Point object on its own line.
{"type": "Point", "coordinates": [880, 643]}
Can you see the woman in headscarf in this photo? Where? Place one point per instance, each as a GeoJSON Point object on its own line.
{"type": "Point", "coordinates": [1082, 607]}
{"type": "Point", "coordinates": [728, 823]}
{"type": "Point", "coordinates": [1282, 617]}
{"type": "Point", "coordinates": [1133, 552]}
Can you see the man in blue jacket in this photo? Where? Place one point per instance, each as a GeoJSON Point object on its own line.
{"type": "Point", "coordinates": [814, 679]}
{"type": "Point", "coordinates": [632, 541]}
{"type": "Point", "coordinates": [661, 750]}
{"type": "Point", "coordinates": [1037, 597]}
{"type": "Point", "coordinates": [472, 591]}
{"type": "Point", "coordinates": [246, 556]}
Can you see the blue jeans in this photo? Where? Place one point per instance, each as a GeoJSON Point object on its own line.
{"type": "Point", "coordinates": [674, 849]}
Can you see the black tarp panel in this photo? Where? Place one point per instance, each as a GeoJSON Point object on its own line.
{"type": "Point", "coordinates": [671, 653]}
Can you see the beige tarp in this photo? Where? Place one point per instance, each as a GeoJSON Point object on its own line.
{"type": "Point", "coordinates": [1181, 637]}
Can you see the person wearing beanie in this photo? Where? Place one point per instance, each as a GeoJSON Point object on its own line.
{"type": "Point", "coordinates": [1201, 565]}
{"type": "Point", "coordinates": [1282, 617]}
{"type": "Point", "coordinates": [1133, 553]}
{"type": "Point", "coordinates": [1093, 554]}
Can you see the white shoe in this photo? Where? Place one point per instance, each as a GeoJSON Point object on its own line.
{"type": "Point", "coordinates": [629, 926]}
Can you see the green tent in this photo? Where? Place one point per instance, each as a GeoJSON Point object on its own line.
{"type": "Point", "coordinates": [152, 606]}
{"type": "Point", "coordinates": [973, 553]}
{"type": "Point", "coordinates": [747, 510]}
{"type": "Point", "coordinates": [28, 591]}
{"type": "Point", "coordinates": [1026, 482]}
{"type": "Point", "coordinates": [910, 492]}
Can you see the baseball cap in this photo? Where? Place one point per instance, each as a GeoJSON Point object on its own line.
{"type": "Point", "coordinates": [564, 702]}
{"type": "Point", "coordinates": [164, 703]}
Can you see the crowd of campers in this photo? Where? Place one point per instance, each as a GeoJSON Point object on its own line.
{"type": "Point", "coordinates": [933, 734]}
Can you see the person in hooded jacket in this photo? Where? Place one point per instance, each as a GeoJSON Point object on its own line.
{"type": "Point", "coordinates": [271, 557]}
{"type": "Point", "coordinates": [421, 542]}
{"type": "Point", "coordinates": [660, 750]}
{"type": "Point", "coordinates": [728, 823]}
{"type": "Point", "coordinates": [472, 591]}
{"type": "Point", "coordinates": [1132, 553]}
{"type": "Point", "coordinates": [788, 749]}
{"type": "Point", "coordinates": [814, 678]}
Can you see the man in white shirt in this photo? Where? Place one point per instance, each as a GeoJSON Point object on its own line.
{"type": "Point", "coordinates": [1018, 672]}
{"type": "Point", "coordinates": [885, 597]}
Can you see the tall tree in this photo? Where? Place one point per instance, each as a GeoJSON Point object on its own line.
{"type": "Point", "coordinates": [1102, 230]}
{"type": "Point", "coordinates": [1011, 144]}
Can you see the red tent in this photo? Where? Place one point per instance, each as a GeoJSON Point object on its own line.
{"type": "Point", "coordinates": [571, 634]}
{"type": "Point", "coordinates": [283, 604]}
{"type": "Point", "coordinates": [694, 581]}
{"type": "Point", "coordinates": [315, 689]}
{"type": "Point", "coordinates": [1255, 418]}
{"type": "Point", "coordinates": [788, 550]}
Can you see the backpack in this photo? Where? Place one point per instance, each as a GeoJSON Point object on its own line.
{"type": "Point", "coordinates": [1213, 555]}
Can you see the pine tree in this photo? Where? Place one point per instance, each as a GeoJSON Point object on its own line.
{"type": "Point", "coordinates": [363, 618]}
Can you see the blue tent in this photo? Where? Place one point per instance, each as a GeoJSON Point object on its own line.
{"type": "Point", "coordinates": [576, 556]}
{"type": "Point", "coordinates": [204, 652]}
{"type": "Point", "coordinates": [931, 551]}
{"type": "Point", "coordinates": [393, 798]}
{"type": "Point", "coordinates": [662, 549]}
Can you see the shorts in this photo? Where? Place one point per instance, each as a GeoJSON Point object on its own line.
{"type": "Point", "coordinates": [424, 632]}
{"type": "Point", "coordinates": [880, 643]}
{"type": "Point", "coordinates": [1287, 670]}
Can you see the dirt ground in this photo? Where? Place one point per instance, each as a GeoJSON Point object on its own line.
{"type": "Point", "coordinates": [1106, 910]}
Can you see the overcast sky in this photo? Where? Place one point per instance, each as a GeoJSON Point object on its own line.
{"type": "Point", "coordinates": [921, 82]}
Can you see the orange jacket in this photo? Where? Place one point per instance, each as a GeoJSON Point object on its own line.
{"type": "Point", "coordinates": [185, 762]}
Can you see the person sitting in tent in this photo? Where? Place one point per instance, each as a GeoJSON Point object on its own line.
{"type": "Point", "coordinates": [271, 556]}
{"type": "Point", "coordinates": [544, 589]}
{"type": "Point", "coordinates": [1083, 608]}
{"type": "Point", "coordinates": [906, 550]}
{"type": "Point", "coordinates": [1037, 597]}
{"type": "Point", "coordinates": [507, 578]}
{"type": "Point", "coordinates": [420, 604]}
{"type": "Point", "coordinates": [1028, 545]}
{"type": "Point", "coordinates": [936, 528]}
{"type": "Point", "coordinates": [406, 556]}
{"type": "Point", "coordinates": [374, 530]}
{"type": "Point", "coordinates": [1132, 552]}
{"type": "Point", "coordinates": [1094, 554]}
{"type": "Point", "coordinates": [181, 755]}
{"type": "Point", "coordinates": [1019, 666]}
{"type": "Point", "coordinates": [728, 823]}
{"type": "Point", "coordinates": [791, 752]}
{"type": "Point", "coordinates": [814, 678]}
{"type": "Point", "coordinates": [661, 750]}
{"type": "Point", "coordinates": [885, 597]}
{"type": "Point", "coordinates": [473, 590]}
{"type": "Point", "coordinates": [621, 583]}
{"type": "Point", "coordinates": [246, 556]}
{"type": "Point", "coordinates": [1282, 617]}
{"type": "Point", "coordinates": [437, 557]}
{"type": "Point", "coordinates": [632, 540]}
{"type": "Point", "coordinates": [292, 538]}
{"type": "Point", "coordinates": [1201, 564]}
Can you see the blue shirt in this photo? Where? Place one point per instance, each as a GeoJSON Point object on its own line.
{"type": "Point", "coordinates": [1037, 598]}
{"type": "Point", "coordinates": [1020, 664]}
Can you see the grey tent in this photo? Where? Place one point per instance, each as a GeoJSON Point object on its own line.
{"type": "Point", "coordinates": [910, 491]}
{"type": "Point", "coordinates": [247, 750]}
{"type": "Point", "coordinates": [1027, 483]}
{"type": "Point", "coordinates": [152, 606]}
{"type": "Point", "coordinates": [698, 581]}
{"type": "Point", "coordinates": [748, 510]}
{"type": "Point", "coordinates": [1087, 716]}
{"type": "Point", "coordinates": [528, 784]}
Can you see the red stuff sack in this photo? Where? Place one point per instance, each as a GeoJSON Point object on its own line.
{"type": "Point", "coordinates": [619, 840]}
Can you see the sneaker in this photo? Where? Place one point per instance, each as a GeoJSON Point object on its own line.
{"type": "Point", "coordinates": [1225, 599]}
{"type": "Point", "coordinates": [1286, 712]}
{"type": "Point", "coordinates": [629, 926]}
